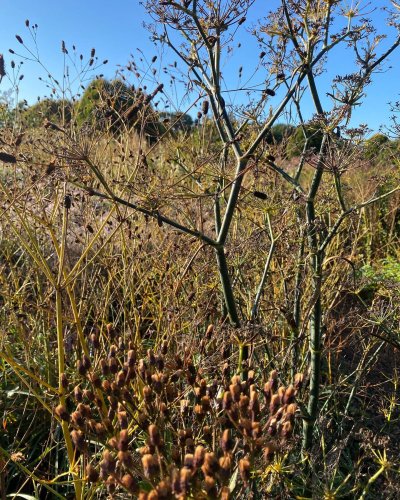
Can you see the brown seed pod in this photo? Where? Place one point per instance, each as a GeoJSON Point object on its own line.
{"type": "Point", "coordinates": [78, 440]}
{"type": "Point", "coordinates": [154, 435]}
{"type": "Point", "coordinates": [62, 413]}
{"type": "Point", "coordinates": [77, 419]}
{"type": "Point", "coordinates": [108, 463]}
{"type": "Point", "coordinates": [123, 441]}
{"type": "Point", "coordinates": [225, 493]}
{"type": "Point", "coordinates": [244, 470]}
{"type": "Point", "coordinates": [289, 395]}
{"type": "Point", "coordinates": [269, 452]}
{"type": "Point", "coordinates": [226, 441]}
{"type": "Point", "coordinates": [92, 474]}
{"type": "Point", "coordinates": [63, 381]}
{"type": "Point", "coordinates": [150, 465]}
{"type": "Point", "coordinates": [198, 457]}
{"type": "Point", "coordinates": [129, 483]}
{"type": "Point", "coordinates": [298, 381]}
{"type": "Point", "coordinates": [210, 486]}
{"type": "Point", "coordinates": [122, 419]}
{"type": "Point", "coordinates": [274, 404]}
{"type": "Point", "coordinates": [210, 465]}
{"type": "Point", "coordinates": [184, 480]}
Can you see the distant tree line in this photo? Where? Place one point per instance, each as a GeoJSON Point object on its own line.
{"type": "Point", "coordinates": [116, 106]}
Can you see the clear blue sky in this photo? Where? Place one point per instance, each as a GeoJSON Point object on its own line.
{"type": "Point", "coordinates": [116, 30]}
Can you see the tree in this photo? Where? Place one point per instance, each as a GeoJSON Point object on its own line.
{"type": "Point", "coordinates": [116, 105]}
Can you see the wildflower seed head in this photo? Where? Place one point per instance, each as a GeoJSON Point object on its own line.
{"type": "Point", "coordinates": [92, 474]}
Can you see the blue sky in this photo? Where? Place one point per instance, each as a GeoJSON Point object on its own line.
{"type": "Point", "coordinates": [115, 30]}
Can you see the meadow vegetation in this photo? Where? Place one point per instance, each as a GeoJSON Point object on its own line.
{"type": "Point", "coordinates": [202, 301]}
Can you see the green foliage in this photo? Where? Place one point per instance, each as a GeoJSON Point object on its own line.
{"type": "Point", "coordinates": [382, 270]}
{"type": "Point", "coordinates": [374, 146]}
{"type": "Point", "coordinates": [279, 133]}
{"type": "Point", "coordinates": [179, 121]}
{"type": "Point", "coordinates": [56, 111]}
{"type": "Point", "coordinates": [310, 133]}
{"type": "Point", "coordinates": [115, 105]}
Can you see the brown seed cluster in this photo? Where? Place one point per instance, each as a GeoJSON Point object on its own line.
{"type": "Point", "coordinates": [194, 430]}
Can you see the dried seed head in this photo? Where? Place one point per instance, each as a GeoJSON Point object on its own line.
{"type": "Point", "coordinates": [105, 370]}
{"type": "Point", "coordinates": [78, 394]}
{"type": "Point", "coordinates": [108, 463]}
{"type": "Point", "coordinates": [62, 413]}
{"type": "Point", "coordinates": [210, 486]}
{"type": "Point", "coordinates": [150, 465]}
{"type": "Point", "coordinates": [111, 486]}
{"type": "Point", "coordinates": [244, 470]}
{"type": "Point", "coordinates": [184, 480]}
{"type": "Point", "coordinates": [106, 386]}
{"type": "Point", "coordinates": [88, 394]}
{"type": "Point", "coordinates": [95, 341]}
{"type": "Point", "coordinates": [151, 357]}
{"type": "Point", "coordinates": [154, 435]}
{"type": "Point", "coordinates": [81, 369]}
{"type": "Point", "coordinates": [225, 464]}
{"type": "Point", "coordinates": [131, 358]}
{"type": "Point", "coordinates": [204, 108]}
{"type": "Point", "coordinates": [123, 440]}
{"type": "Point", "coordinates": [287, 429]}
{"type": "Point", "coordinates": [147, 394]}
{"type": "Point", "coordinates": [78, 440]}
{"type": "Point", "coordinates": [269, 452]}
{"type": "Point", "coordinates": [113, 365]}
{"type": "Point", "coordinates": [86, 363]}
{"type": "Point", "coordinates": [120, 378]}
{"type": "Point", "coordinates": [63, 381]}
{"type": "Point", "coordinates": [235, 390]}
{"type": "Point", "coordinates": [210, 465]}
{"type": "Point", "coordinates": [84, 410]}
{"type": "Point", "coordinates": [122, 419]}
{"type": "Point", "coordinates": [226, 441]}
{"type": "Point", "coordinates": [298, 381]}
{"type": "Point", "coordinates": [77, 419]}
{"type": "Point", "coordinates": [91, 474]}
{"type": "Point", "coordinates": [288, 397]}
{"type": "Point", "coordinates": [125, 458]}
{"type": "Point", "coordinates": [225, 493]}
{"type": "Point", "coordinates": [227, 401]}
{"type": "Point", "coordinates": [164, 490]}
{"type": "Point", "coordinates": [95, 380]}
{"type": "Point", "coordinates": [156, 382]}
{"type": "Point", "coordinates": [256, 431]}
{"type": "Point", "coordinates": [254, 405]}
{"type": "Point", "coordinates": [2, 67]}
{"type": "Point", "coordinates": [198, 457]}
{"type": "Point", "coordinates": [274, 404]}
{"type": "Point", "coordinates": [271, 426]}
{"type": "Point", "coordinates": [129, 483]}
{"type": "Point", "coordinates": [188, 461]}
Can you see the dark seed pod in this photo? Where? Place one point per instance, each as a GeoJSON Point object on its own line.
{"type": "Point", "coordinates": [63, 381]}
{"type": "Point", "coordinates": [91, 474]}
{"type": "Point", "coordinates": [244, 470]}
{"type": "Point", "coordinates": [7, 158]}
{"type": "Point", "coordinates": [62, 413]}
{"type": "Point", "coordinates": [78, 440]}
{"type": "Point", "coordinates": [129, 483]}
{"type": "Point", "coordinates": [260, 195]}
